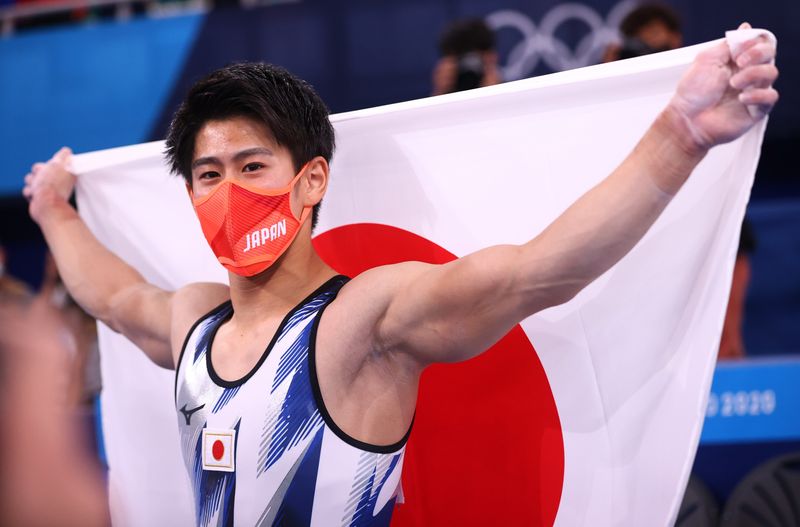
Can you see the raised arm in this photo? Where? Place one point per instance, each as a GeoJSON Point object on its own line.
{"type": "Point", "coordinates": [454, 311]}
{"type": "Point", "coordinates": [105, 286]}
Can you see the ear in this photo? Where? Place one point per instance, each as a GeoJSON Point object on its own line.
{"type": "Point", "coordinates": [315, 181]}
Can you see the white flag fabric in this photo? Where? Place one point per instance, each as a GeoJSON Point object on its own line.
{"type": "Point", "coordinates": [628, 361]}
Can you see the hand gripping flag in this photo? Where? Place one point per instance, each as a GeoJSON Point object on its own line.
{"type": "Point", "coordinates": [588, 413]}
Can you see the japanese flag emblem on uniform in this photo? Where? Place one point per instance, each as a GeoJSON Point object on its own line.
{"type": "Point", "coordinates": [218, 449]}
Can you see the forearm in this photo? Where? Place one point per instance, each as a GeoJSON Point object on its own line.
{"type": "Point", "coordinates": [94, 276]}
{"type": "Point", "coordinates": [607, 222]}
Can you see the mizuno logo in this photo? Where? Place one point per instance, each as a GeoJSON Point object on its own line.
{"type": "Point", "coordinates": [187, 414]}
{"type": "Point", "coordinates": [267, 234]}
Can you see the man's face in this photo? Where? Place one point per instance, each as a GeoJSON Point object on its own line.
{"type": "Point", "coordinates": [656, 35]}
{"type": "Point", "coordinates": [240, 149]}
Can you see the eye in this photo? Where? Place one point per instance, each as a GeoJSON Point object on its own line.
{"type": "Point", "coordinates": [208, 175]}
{"type": "Point", "coordinates": [252, 167]}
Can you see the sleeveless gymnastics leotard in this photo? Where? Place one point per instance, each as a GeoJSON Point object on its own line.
{"type": "Point", "coordinates": [263, 451]}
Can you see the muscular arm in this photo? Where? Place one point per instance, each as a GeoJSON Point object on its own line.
{"type": "Point", "coordinates": [105, 286]}
{"type": "Point", "coordinates": [462, 307]}
{"type": "Point", "coordinates": [454, 311]}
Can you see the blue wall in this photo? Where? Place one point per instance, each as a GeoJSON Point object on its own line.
{"type": "Point", "coordinates": [772, 313]}
{"type": "Point", "coordinates": [90, 87]}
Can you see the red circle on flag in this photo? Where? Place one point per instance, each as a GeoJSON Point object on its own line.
{"type": "Point", "coordinates": [487, 446]}
{"type": "Point", "coordinates": [218, 450]}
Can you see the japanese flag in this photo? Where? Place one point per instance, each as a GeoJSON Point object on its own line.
{"type": "Point", "coordinates": [218, 450]}
{"type": "Point", "coordinates": [588, 413]}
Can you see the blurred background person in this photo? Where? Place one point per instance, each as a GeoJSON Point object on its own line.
{"type": "Point", "coordinates": [731, 345]}
{"type": "Point", "coordinates": [10, 286]}
{"type": "Point", "coordinates": [468, 57]}
{"type": "Point", "coordinates": [48, 477]}
{"type": "Point", "coordinates": [84, 380]}
{"type": "Point", "coordinates": [650, 28]}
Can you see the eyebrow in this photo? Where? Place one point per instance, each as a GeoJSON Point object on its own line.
{"type": "Point", "coordinates": [238, 156]}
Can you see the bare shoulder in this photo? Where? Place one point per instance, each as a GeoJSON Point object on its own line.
{"type": "Point", "coordinates": [189, 303]}
{"type": "Point", "coordinates": [369, 393]}
{"type": "Point", "coordinates": [375, 287]}
{"type": "Point", "coordinates": [362, 302]}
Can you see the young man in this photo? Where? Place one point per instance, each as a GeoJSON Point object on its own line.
{"type": "Point", "coordinates": [296, 388]}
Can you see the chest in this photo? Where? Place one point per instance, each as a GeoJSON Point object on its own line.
{"type": "Point", "coordinates": [263, 411]}
{"type": "Point", "coordinates": [258, 443]}
{"type": "Point", "coordinates": [233, 353]}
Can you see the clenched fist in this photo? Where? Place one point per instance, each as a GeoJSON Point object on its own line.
{"type": "Point", "coordinates": [722, 96]}
{"type": "Point", "coordinates": [49, 184]}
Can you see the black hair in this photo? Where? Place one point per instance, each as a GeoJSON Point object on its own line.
{"type": "Point", "coordinates": [464, 36]}
{"type": "Point", "coordinates": [647, 14]}
{"type": "Point", "coordinates": [289, 107]}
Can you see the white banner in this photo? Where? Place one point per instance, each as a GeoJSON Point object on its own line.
{"type": "Point", "coordinates": [629, 360]}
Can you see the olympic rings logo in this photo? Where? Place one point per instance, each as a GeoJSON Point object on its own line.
{"type": "Point", "coordinates": [541, 44]}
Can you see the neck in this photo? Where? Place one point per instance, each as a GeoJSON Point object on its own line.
{"type": "Point", "coordinates": [273, 292]}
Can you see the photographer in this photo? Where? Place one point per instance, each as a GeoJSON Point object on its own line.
{"type": "Point", "coordinates": [649, 28]}
{"type": "Point", "coordinates": [469, 58]}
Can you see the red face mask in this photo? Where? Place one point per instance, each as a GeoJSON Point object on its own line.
{"type": "Point", "coordinates": [248, 228]}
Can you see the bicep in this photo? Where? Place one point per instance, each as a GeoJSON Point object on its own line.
{"type": "Point", "coordinates": [143, 314]}
{"type": "Point", "coordinates": [452, 312]}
